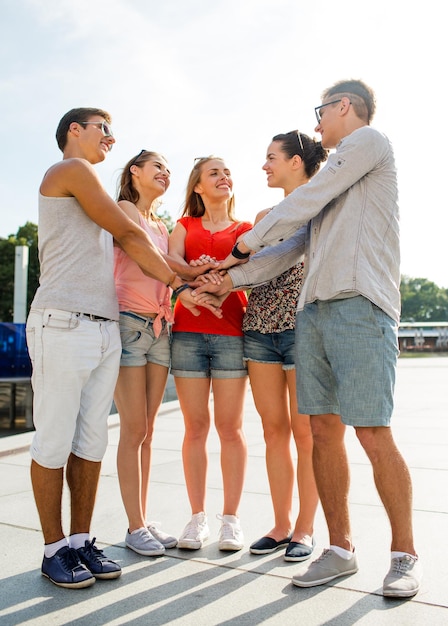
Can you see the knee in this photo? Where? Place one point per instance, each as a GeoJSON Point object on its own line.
{"type": "Point", "coordinates": [327, 429]}
{"type": "Point", "coordinates": [135, 437]}
{"type": "Point", "coordinates": [375, 440]}
{"type": "Point", "coordinates": [230, 433]}
{"type": "Point", "coordinates": [197, 431]}
{"type": "Point", "coordinates": [275, 434]}
{"type": "Point", "coordinates": [303, 436]}
{"type": "Point", "coordinates": [147, 440]}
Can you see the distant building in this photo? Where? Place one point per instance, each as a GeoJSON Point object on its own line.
{"type": "Point", "coordinates": [423, 336]}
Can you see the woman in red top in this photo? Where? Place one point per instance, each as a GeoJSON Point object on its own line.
{"type": "Point", "coordinates": [207, 354]}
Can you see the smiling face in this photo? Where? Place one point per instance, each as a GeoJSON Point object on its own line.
{"type": "Point", "coordinates": [215, 182]}
{"type": "Point", "coordinates": [152, 175]}
{"type": "Point", "coordinates": [94, 142]}
{"type": "Point", "coordinates": [277, 166]}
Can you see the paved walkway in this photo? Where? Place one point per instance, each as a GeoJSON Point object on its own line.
{"type": "Point", "coordinates": [207, 587]}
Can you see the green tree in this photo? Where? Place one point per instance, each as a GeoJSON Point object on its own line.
{"type": "Point", "coordinates": [25, 236]}
{"type": "Point", "coordinates": [423, 301]}
{"type": "Point", "coordinates": [167, 219]}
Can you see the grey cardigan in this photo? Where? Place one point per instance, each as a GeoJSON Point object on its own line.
{"type": "Point", "coordinates": [345, 221]}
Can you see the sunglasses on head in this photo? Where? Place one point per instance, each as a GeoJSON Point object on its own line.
{"type": "Point", "coordinates": [136, 158]}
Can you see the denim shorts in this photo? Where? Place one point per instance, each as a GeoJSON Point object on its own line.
{"type": "Point", "coordinates": [270, 348]}
{"type": "Point", "coordinates": [139, 344]}
{"type": "Point", "coordinates": [75, 367]}
{"type": "Point", "coordinates": [201, 355]}
{"type": "Point", "coordinates": [346, 357]}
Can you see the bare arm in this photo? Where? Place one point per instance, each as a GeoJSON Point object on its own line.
{"type": "Point", "coordinates": [77, 178]}
{"type": "Point", "coordinates": [181, 267]}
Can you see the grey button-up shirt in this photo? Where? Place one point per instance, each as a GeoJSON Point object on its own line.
{"type": "Point", "coordinates": [345, 221]}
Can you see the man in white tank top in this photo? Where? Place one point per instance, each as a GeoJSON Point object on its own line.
{"type": "Point", "coordinates": [74, 342]}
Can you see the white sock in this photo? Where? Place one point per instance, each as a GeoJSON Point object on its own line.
{"type": "Point", "coordinates": [344, 554]}
{"type": "Point", "coordinates": [78, 540]}
{"type": "Point", "coordinates": [51, 548]}
{"type": "Point", "coordinates": [396, 554]}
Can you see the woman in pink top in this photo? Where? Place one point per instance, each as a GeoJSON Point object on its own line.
{"type": "Point", "coordinates": [145, 315]}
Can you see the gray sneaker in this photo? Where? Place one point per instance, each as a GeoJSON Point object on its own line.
{"type": "Point", "coordinates": [327, 567]}
{"type": "Point", "coordinates": [168, 541]}
{"type": "Point", "coordinates": [142, 542]}
{"type": "Point", "coordinates": [404, 577]}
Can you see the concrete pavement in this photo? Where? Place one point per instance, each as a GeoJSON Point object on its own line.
{"type": "Point", "coordinates": [207, 587]}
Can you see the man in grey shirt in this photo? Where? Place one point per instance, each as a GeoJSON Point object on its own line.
{"type": "Point", "coordinates": [345, 220]}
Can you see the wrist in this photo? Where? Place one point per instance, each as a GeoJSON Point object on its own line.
{"type": "Point", "coordinates": [177, 282]}
{"type": "Point", "coordinates": [178, 290]}
{"type": "Point", "coordinates": [228, 282]}
{"type": "Point", "coordinates": [172, 279]}
{"type": "Point", "coordinates": [236, 252]}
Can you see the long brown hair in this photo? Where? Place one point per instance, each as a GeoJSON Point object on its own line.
{"type": "Point", "coordinates": [125, 187]}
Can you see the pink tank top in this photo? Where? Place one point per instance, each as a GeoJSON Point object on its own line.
{"type": "Point", "coordinates": [137, 292]}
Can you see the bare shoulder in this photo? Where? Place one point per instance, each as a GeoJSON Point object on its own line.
{"type": "Point", "coordinates": [261, 214]}
{"type": "Point", "coordinates": [62, 178]}
{"type": "Point", "coordinates": [130, 209]}
{"type": "Point", "coordinates": [178, 231]}
{"type": "Point", "coordinates": [176, 240]}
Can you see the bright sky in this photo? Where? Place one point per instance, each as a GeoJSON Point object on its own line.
{"type": "Point", "coordinates": [189, 78]}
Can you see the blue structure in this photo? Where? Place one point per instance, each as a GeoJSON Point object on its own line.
{"type": "Point", "coordinates": [14, 359]}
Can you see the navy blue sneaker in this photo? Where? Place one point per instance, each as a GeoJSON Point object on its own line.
{"type": "Point", "coordinates": [97, 562]}
{"type": "Point", "coordinates": [298, 551]}
{"type": "Point", "coordinates": [66, 570]}
{"type": "Point", "coordinates": [266, 545]}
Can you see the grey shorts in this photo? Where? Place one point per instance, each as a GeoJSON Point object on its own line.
{"type": "Point", "coordinates": [346, 357]}
{"type": "Point", "coordinates": [139, 343]}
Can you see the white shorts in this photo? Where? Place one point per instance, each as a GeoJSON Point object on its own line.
{"type": "Point", "coordinates": [75, 367]}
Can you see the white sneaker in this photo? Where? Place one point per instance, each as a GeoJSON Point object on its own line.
{"type": "Point", "coordinates": [230, 536]}
{"type": "Point", "coordinates": [194, 533]}
{"type": "Point", "coordinates": [142, 542]}
{"type": "Point", "coordinates": [168, 541]}
{"type": "Point", "coordinates": [404, 577]}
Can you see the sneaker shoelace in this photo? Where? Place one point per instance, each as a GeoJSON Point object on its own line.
{"type": "Point", "coordinates": [153, 525]}
{"type": "Point", "coordinates": [323, 556]}
{"type": "Point", "coordinates": [94, 552]}
{"type": "Point", "coordinates": [154, 528]}
{"type": "Point", "coordinates": [401, 564]}
{"type": "Point", "coordinates": [193, 529]}
{"type": "Point", "coordinates": [70, 560]}
{"type": "Point", "coordinates": [227, 531]}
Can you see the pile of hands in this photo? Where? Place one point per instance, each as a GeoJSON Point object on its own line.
{"type": "Point", "coordinates": [210, 283]}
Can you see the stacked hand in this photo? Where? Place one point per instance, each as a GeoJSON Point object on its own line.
{"type": "Point", "coordinates": [211, 284]}
{"type": "Point", "coordinates": [212, 303]}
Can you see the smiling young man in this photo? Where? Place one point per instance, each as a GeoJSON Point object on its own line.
{"type": "Point", "coordinates": [74, 341]}
{"type": "Point", "coordinates": [346, 330]}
